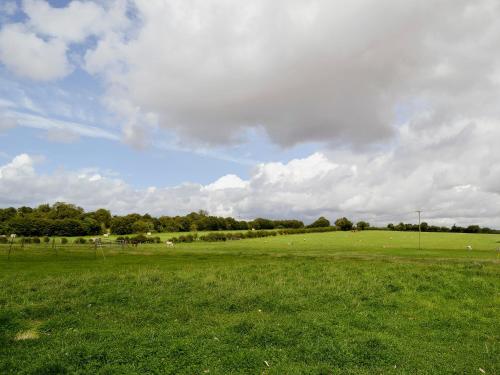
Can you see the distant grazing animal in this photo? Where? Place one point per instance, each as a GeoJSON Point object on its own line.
{"type": "Point", "coordinates": [469, 247]}
{"type": "Point", "coordinates": [149, 233]}
{"type": "Point", "coordinates": [169, 244]}
{"type": "Point", "coordinates": [106, 234]}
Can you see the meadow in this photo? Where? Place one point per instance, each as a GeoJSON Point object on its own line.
{"type": "Point", "coordinates": [324, 303]}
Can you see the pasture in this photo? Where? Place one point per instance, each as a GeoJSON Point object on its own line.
{"type": "Point", "coordinates": [323, 303]}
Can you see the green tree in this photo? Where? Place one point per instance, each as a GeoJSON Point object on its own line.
{"type": "Point", "coordinates": [121, 224]}
{"type": "Point", "coordinates": [61, 210]}
{"type": "Point", "coordinates": [362, 225]}
{"type": "Point", "coordinates": [343, 223]}
{"type": "Point", "coordinates": [103, 217]}
{"type": "Point", "coordinates": [141, 226]}
{"type": "Point", "coordinates": [261, 223]}
{"type": "Point", "coordinates": [321, 222]}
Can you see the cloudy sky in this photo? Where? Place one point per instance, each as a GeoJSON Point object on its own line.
{"type": "Point", "coordinates": [369, 109]}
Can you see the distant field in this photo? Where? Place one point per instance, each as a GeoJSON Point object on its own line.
{"type": "Point", "coordinates": [330, 303]}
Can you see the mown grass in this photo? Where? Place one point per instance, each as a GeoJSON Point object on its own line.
{"type": "Point", "coordinates": [358, 303]}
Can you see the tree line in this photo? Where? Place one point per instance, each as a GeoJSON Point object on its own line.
{"type": "Point", "coordinates": [425, 227]}
{"type": "Point", "coordinates": [68, 220]}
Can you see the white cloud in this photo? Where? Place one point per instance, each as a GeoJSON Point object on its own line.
{"type": "Point", "coordinates": [62, 135]}
{"type": "Point", "coordinates": [28, 55]}
{"type": "Point", "coordinates": [57, 127]}
{"type": "Point", "coordinates": [77, 21]}
{"type": "Point", "coordinates": [452, 184]}
{"type": "Point", "coordinates": [37, 48]}
{"type": "Point", "coordinates": [229, 181]}
{"type": "Point", "coordinates": [321, 70]}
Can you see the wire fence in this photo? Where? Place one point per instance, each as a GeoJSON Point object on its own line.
{"type": "Point", "coordinates": [98, 247]}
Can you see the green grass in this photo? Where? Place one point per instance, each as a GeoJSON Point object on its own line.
{"type": "Point", "coordinates": [341, 303]}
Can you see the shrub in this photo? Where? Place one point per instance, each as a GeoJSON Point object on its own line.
{"type": "Point", "coordinates": [186, 238]}
{"type": "Point", "coordinates": [214, 237]}
{"type": "Point", "coordinates": [36, 240]}
{"type": "Point", "coordinates": [80, 241]}
{"type": "Point", "coordinates": [64, 241]}
{"type": "Point", "coordinates": [46, 239]}
{"type": "Point", "coordinates": [140, 238]}
{"type": "Point", "coordinates": [4, 240]}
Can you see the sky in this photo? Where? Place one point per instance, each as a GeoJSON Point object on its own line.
{"type": "Point", "coordinates": [370, 109]}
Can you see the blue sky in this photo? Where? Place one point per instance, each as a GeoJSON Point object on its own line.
{"type": "Point", "coordinates": [76, 99]}
{"type": "Point", "coordinates": [290, 109]}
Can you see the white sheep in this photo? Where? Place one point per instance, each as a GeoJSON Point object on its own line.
{"type": "Point", "coordinates": [469, 247]}
{"type": "Point", "coordinates": [169, 243]}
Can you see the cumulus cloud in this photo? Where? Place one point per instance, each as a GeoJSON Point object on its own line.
{"type": "Point", "coordinates": [75, 22]}
{"type": "Point", "coordinates": [37, 48]}
{"type": "Point", "coordinates": [320, 70]}
{"type": "Point", "coordinates": [381, 187]}
{"type": "Point", "coordinates": [305, 71]}
{"type": "Point", "coordinates": [28, 55]}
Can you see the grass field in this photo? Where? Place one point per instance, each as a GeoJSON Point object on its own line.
{"type": "Point", "coordinates": [329, 303]}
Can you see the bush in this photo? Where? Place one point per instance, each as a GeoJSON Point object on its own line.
{"type": "Point", "coordinates": [36, 240]}
{"type": "Point", "coordinates": [186, 238]}
{"type": "Point", "coordinates": [307, 230]}
{"type": "Point", "coordinates": [140, 238]}
{"type": "Point", "coordinates": [64, 241]}
{"type": "Point", "coordinates": [46, 239]}
{"type": "Point", "coordinates": [80, 241]}
{"type": "Point", "coordinates": [214, 237]}
{"type": "Point", "coordinates": [4, 240]}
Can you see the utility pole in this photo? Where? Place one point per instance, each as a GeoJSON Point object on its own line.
{"type": "Point", "coordinates": [419, 230]}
